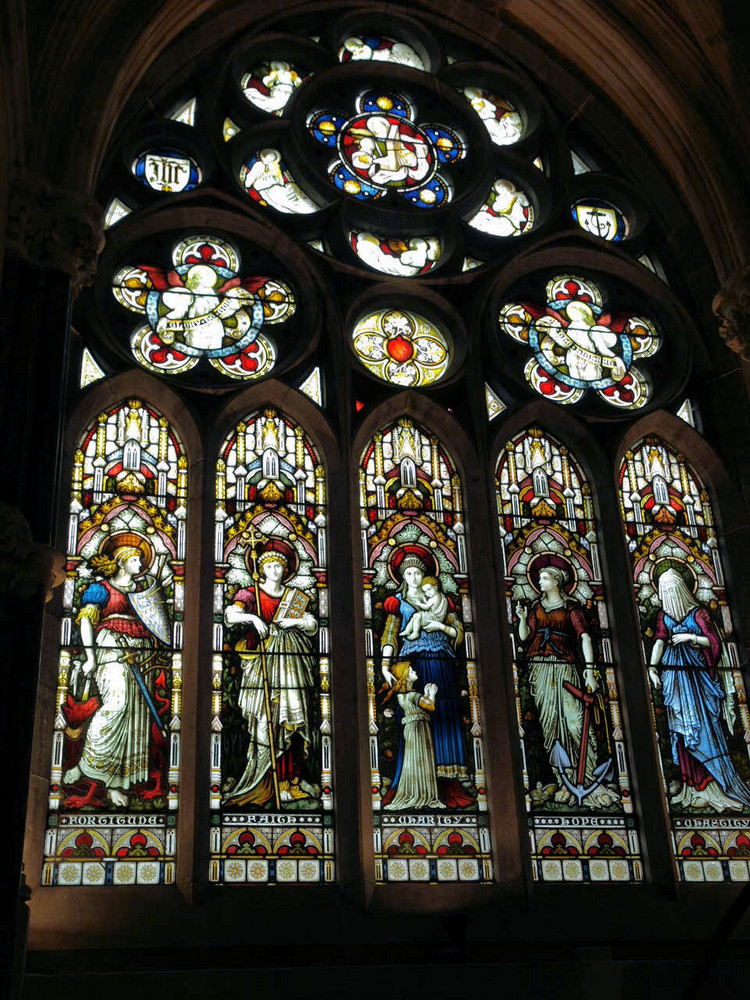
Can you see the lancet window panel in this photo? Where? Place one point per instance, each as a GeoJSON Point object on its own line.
{"type": "Point", "coordinates": [581, 819]}
{"type": "Point", "coordinates": [115, 774]}
{"type": "Point", "coordinates": [698, 696]}
{"type": "Point", "coordinates": [271, 781]}
{"type": "Point", "coordinates": [425, 737]}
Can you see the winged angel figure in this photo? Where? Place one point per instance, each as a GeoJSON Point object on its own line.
{"type": "Point", "coordinates": [203, 308]}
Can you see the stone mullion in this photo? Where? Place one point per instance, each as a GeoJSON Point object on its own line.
{"type": "Point", "coordinates": [635, 700]}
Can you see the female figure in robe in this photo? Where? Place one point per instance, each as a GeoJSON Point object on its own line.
{"type": "Point", "coordinates": [687, 647]}
{"type": "Point", "coordinates": [557, 634]}
{"type": "Point", "coordinates": [285, 643]}
{"type": "Point", "coordinates": [433, 657]}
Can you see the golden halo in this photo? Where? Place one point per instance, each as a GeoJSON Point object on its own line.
{"type": "Point", "coordinates": [120, 539]}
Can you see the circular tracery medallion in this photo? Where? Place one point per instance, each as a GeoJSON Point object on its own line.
{"type": "Point", "coordinates": [387, 151]}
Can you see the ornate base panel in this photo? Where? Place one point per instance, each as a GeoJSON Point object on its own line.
{"type": "Point", "coordinates": [432, 848]}
{"type": "Point", "coordinates": [110, 849]}
{"type": "Point", "coordinates": [271, 848]}
{"type": "Point", "coordinates": [712, 849]}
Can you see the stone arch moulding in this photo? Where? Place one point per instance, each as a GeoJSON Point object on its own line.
{"type": "Point", "coordinates": [726, 499]}
{"type": "Point", "coordinates": [598, 596]}
{"type": "Point", "coordinates": [495, 700]}
{"type": "Point", "coordinates": [101, 396]}
{"type": "Point", "coordinates": [686, 576]}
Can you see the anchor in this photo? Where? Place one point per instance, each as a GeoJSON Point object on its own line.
{"type": "Point", "coordinates": [560, 759]}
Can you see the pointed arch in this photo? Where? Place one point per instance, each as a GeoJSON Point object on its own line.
{"type": "Point", "coordinates": [117, 728]}
{"type": "Point", "coordinates": [427, 769]}
{"type": "Point", "coordinates": [690, 649]}
{"type": "Point", "coordinates": [271, 756]}
{"type": "Point", "coordinates": [575, 768]}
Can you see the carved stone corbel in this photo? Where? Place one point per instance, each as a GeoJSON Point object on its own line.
{"type": "Point", "coordinates": [26, 567]}
{"type": "Point", "coordinates": [732, 305]}
{"type": "Point", "coordinates": [53, 226]}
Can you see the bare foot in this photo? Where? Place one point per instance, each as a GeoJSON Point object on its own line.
{"type": "Point", "coordinates": [116, 797]}
{"type": "Point", "coordinates": [72, 776]}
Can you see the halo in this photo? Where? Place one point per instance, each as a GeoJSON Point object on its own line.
{"type": "Point", "coordinates": [539, 562]}
{"type": "Point", "coordinates": [400, 552]}
{"type": "Point", "coordinates": [286, 551]}
{"type": "Point", "coordinates": [686, 571]}
{"type": "Point", "coordinates": [133, 539]}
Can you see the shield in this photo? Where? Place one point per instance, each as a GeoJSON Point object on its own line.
{"type": "Point", "coordinates": [151, 607]}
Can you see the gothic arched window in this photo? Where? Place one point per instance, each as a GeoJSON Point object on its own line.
{"type": "Point", "coordinates": [271, 757]}
{"type": "Point", "coordinates": [698, 694]}
{"type": "Point", "coordinates": [575, 771]}
{"type": "Point", "coordinates": [114, 784]}
{"type": "Point", "coordinates": [426, 759]}
{"type": "Point", "coordinates": [392, 223]}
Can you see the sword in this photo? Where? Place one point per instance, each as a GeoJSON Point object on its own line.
{"type": "Point", "coordinates": [130, 659]}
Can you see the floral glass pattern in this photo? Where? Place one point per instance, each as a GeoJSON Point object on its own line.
{"type": "Point", "coordinates": [379, 48]}
{"type": "Point", "coordinates": [114, 784]}
{"type": "Point", "coordinates": [401, 347]}
{"type": "Point", "coordinates": [167, 171]}
{"type": "Point", "coordinates": [578, 346]}
{"type": "Point", "coordinates": [699, 702]}
{"type": "Point", "coordinates": [501, 119]}
{"type": "Point", "coordinates": [575, 773]}
{"type": "Point", "coordinates": [383, 148]}
{"type": "Point", "coordinates": [268, 182]}
{"type": "Point", "coordinates": [202, 308]}
{"type": "Point", "coordinates": [271, 790]}
{"type": "Point", "coordinates": [270, 85]}
{"type": "Point", "coordinates": [507, 211]}
{"type": "Point", "coordinates": [426, 759]}
{"type": "Point", "coordinates": [402, 257]}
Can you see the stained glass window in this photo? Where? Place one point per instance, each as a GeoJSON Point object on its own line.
{"type": "Point", "coordinates": [167, 170]}
{"type": "Point", "coordinates": [381, 49]}
{"type": "Point", "coordinates": [601, 218]}
{"type": "Point", "coordinates": [114, 785]}
{"type": "Point", "coordinates": [267, 181]}
{"type": "Point", "coordinates": [203, 309]}
{"type": "Point", "coordinates": [271, 769]}
{"type": "Point", "coordinates": [382, 147]}
{"type": "Point", "coordinates": [507, 212]}
{"type": "Point", "coordinates": [270, 85]}
{"type": "Point", "coordinates": [426, 759]}
{"type": "Point", "coordinates": [402, 257]}
{"type": "Point", "coordinates": [91, 371]}
{"type": "Point", "coordinates": [575, 771]}
{"type": "Point", "coordinates": [116, 210]}
{"type": "Point", "coordinates": [699, 702]}
{"type": "Point", "coordinates": [501, 119]}
{"type": "Point", "coordinates": [577, 345]}
{"type": "Point", "coordinates": [401, 347]}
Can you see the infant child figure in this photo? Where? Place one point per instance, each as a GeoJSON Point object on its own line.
{"type": "Point", "coordinates": [432, 608]}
